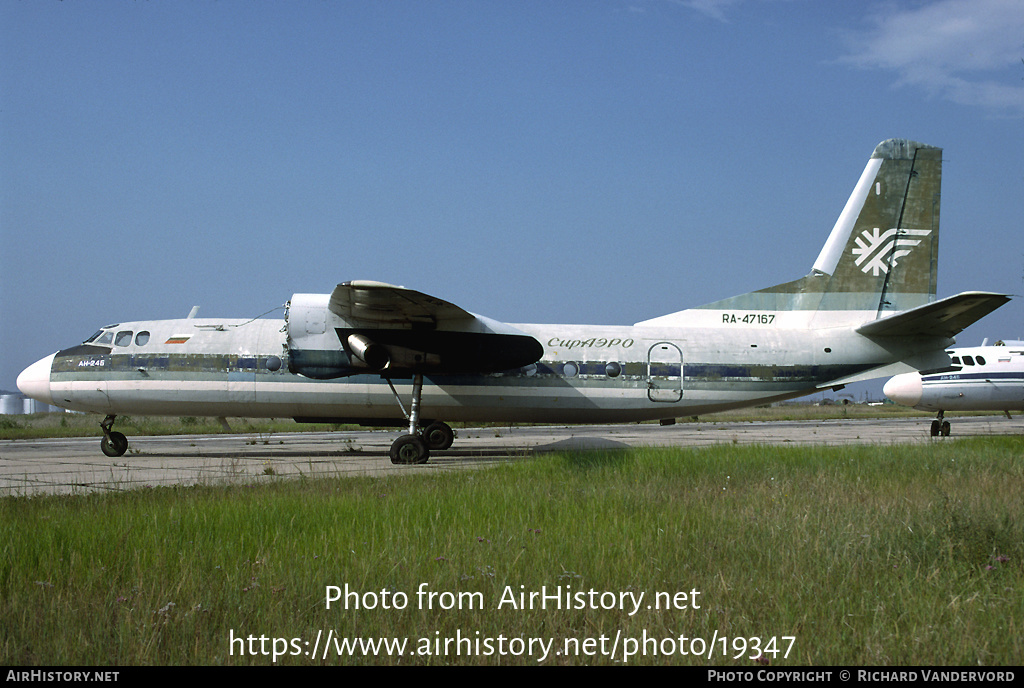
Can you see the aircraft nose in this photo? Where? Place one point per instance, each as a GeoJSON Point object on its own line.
{"type": "Point", "coordinates": [904, 389]}
{"type": "Point", "coordinates": [34, 381]}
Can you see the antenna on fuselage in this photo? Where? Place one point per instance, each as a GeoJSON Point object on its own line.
{"type": "Point", "coordinates": [192, 313]}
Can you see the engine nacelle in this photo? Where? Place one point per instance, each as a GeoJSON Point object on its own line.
{"type": "Point", "coordinates": [324, 345]}
{"type": "Point", "coordinates": [373, 355]}
{"type": "Point", "coordinates": [314, 348]}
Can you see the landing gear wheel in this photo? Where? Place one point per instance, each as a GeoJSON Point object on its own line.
{"type": "Point", "coordinates": [409, 449]}
{"type": "Point", "coordinates": [114, 444]}
{"type": "Point", "coordinates": [439, 436]}
{"type": "Point", "coordinates": [936, 426]}
{"type": "Point", "coordinates": [944, 429]}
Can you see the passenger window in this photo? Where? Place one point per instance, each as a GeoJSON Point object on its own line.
{"type": "Point", "coordinates": [106, 338]}
{"type": "Point", "coordinates": [142, 338]}
{"type": "Point", "coordinates": [968, 360]}
{"type": "Point", "coordinates": [123, 338]}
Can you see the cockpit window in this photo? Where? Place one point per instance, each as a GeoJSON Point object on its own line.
{"type": "Point", "coordinates": [105, 338]}
{"type": "Point", "coordinates": [968, 360]}
{"type": "Point", "coordinates": [980, 360]}
{"type": "Point", "coordinates": [93, 338]}
{"type": "Point", "coordinates": [142, 338]}
{"type": "Point", "coordinates": [124, 338]}
{"type": "Point", "coordinates": [955, 360]}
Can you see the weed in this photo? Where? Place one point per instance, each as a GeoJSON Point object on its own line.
{"type": "Point", "coordinates": [903, 555]}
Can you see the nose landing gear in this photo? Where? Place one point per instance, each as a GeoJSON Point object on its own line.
{"type": "Point", "coordinates": [940, 426]}
{"type": "Point", "coordinates": [113, 443]}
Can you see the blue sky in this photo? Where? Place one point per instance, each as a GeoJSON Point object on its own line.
{"type": "Point", "coordinates": [601, 161]}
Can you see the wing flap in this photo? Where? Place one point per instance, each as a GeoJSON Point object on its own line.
{"type": "Point", "coordinates": [943, 318]}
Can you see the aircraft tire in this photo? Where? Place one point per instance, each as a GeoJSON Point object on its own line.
{"type": "Point", "coordinates": [439, 436]}
{"type": "Point", "coordinates": [935, 428]}
{"type": "Point", "coordinates": [114, 444]}
{"type": "Point", "coordinates": [409, 449]}
{"type": "Point", "coordinates": [944, 430]}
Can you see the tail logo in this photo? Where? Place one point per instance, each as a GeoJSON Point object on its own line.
{"type": "Point", "coordinates": [877, 250]}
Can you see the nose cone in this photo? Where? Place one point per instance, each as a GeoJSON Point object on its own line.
{"type": "Point", "coordinates": [34, 381]}
{"type": "Point", "coordinates": [904, 389]}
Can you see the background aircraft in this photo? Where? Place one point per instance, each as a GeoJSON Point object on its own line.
{"type": "Point", "coordinates": [867, 309]}
{"type": "Point", "coordinates": [981, 378]}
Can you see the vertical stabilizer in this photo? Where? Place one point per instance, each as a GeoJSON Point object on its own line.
{"type": "Point", "coordinates": [881, 255]}
{"type": "Point", "coordinates": [890, 250]}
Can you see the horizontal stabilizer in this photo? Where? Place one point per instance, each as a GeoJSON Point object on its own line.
{"type": "Point", "coordinates": [943, 318]}
{"type": "Point", "coordinates": [377, 303]}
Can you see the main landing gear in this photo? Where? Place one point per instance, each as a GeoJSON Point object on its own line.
{"type": "Point", "coordinates": [940, 426]}
{"type": "Point", "coordinates": [415, 446]}
{"type": "Point", "coordinates": [113, 443]}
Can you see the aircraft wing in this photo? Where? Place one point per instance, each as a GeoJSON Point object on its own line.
{"type": "Point", "coordinates": [379, 304]}
{"type": "Point", "coordinates": [943, 318]}
{"type": "Point", "coordinates": [372, 326]}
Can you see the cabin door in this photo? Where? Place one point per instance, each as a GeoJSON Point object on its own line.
{"type": "Point", "coordinates": [665, 372]}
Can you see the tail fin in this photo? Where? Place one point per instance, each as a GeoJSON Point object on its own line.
{"type": "Point", "coordinates": [882, 253]}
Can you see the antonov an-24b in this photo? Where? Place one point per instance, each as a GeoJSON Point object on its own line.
{"type": "Point", "coordinates": [980, 378]}
{"type": "Point", "coordinates": [867, 309]}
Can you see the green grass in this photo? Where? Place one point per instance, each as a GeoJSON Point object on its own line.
{"type": "Point", "coordinates": [901, 555]}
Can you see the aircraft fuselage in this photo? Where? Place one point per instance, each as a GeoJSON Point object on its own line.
{"type": "Point", "coordinates": [984, 378]}
{"type": "Point", "coordinates": [587, 374]}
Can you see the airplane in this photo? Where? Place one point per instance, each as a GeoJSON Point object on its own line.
{"type": "Point", "coordinates": [980, 378]}
{"type": "Point", "coordinates": [867, 309]}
